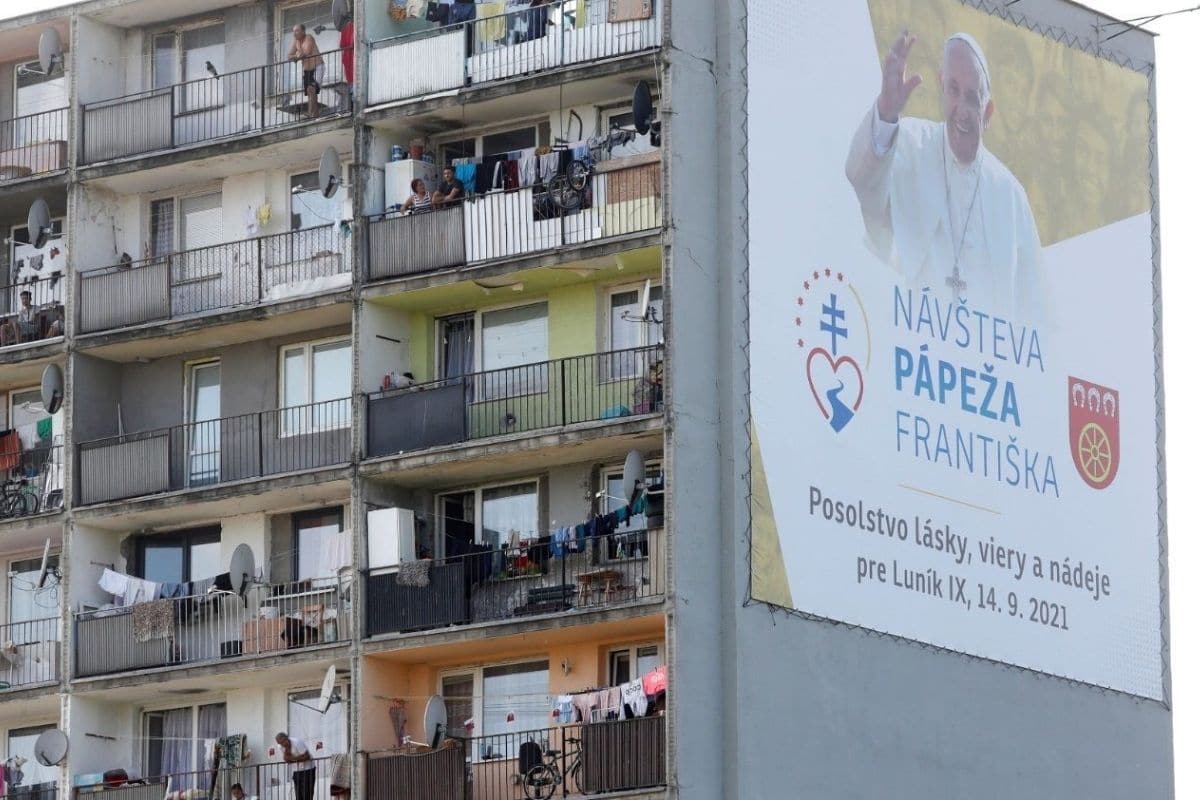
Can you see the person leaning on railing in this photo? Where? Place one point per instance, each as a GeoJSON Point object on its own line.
{"type": "Point", "coordinates": [419, 200]}
{"type": "Point", "coordinates": [450, 191]}
{"type": "Point", "coordinates": [312, 63]}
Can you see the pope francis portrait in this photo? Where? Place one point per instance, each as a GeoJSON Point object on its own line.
{"type": "Point", "coordinates": [937, 205]}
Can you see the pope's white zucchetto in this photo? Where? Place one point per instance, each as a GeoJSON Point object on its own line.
{"type": "Point", "coordinates": [977, 51]}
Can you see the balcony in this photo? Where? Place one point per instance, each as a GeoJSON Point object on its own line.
{"type": "Point", "coordinates": [34, 145]}
{"type": "Point", "coordinates": [517, 582]}
{"type": "Point", "coordinates": [34, 482]}
{"type": "Point", "coordinates": [242, 103]}
{"type": "Point", "coordinates": [517, 400]}
{"type": "Point", "coordinates": [513, 44]}
{"type": "Point", "coordinates": [271, 781]}
{"type": "Point", "coordinates": [592, 759]}
{"type": "Point", "coordinates": [619, 200]}
{"type": "Point", "coordinates": [226, 276]}
{"type": "Point", "coordinates": [220, 451]}
{"type": "Point", "coordinates": [29, 655]}
{"type": "Point", "coordinates": [207, 628]}
{"type": "Point", "coordinates": [47, 790]}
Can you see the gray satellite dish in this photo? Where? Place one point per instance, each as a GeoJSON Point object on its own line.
{"type": "Point", "coordinates": [49, 50]}
{"type": "Point", "coordinates": [38, 222]}
{"type": "Point", "coordinates": [330, 173]}
{"type": "Point", "coordinates": [51, 747]}
{"type": "Point", "coordinates": [633, 477]}
{"type": "Point", "coordinates": [327, 688]}
{"type": "Point", "coordinates": [241, 568]}
{"type": "Point", "coordinates": [435, 721]}
{"type": "Point", "coordinates": [52, 388]}
{"type": "Point", "coordinates": [341, 13]}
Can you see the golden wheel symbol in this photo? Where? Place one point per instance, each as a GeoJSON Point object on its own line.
{"type": "Point", "coordinates": [1095, 452]}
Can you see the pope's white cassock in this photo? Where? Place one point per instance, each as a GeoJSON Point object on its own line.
{"type": "Point", "coordinates": [916, 199]}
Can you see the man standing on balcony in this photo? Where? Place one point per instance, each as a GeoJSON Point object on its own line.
{"type": "Point", "coordinates": [304, 772]}
{"type": "Point", "coordinates": [305, 50]}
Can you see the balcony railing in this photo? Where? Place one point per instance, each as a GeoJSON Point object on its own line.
{"type": "Point", "coordinates": [41, 318]}
{"type": "Point", "coordinates": [224, 276]}
{"type": "Point", "coordinates": [515, 43]}
{"type": "Point", "coordinates": [46, 790]}
{"type": "Point", "coordinates": [487, 585]}
{"type": "Point", "coordinates": [623, 755]}
{"type": "Point", "coordinates": [29, 653]}
{"type": "Point", "coordinates": [205, 454]}
{"type": "Point", "coordinates": [240, 103]}
{"type": "Point", "coordinates": [32, 472]}
{"type": "Point", "coordinates": [263, 781]}
{"type": "Point", "coordinates": [508, 224]}
{"type": "Point", "coordinates": [33, 144]}
{"type": "Point", "coordinates": [270, 620]}
{"type": "Point", "coordinates": [532, 397]}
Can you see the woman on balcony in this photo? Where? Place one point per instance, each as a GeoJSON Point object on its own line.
{"type": "Point", "coordinates": [420, 199]}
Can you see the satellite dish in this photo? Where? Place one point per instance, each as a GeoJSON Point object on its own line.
{"type": "Point", "coordinates": [44, 572]}
{"type": "Point", "coordinates": [50, 747]}
{"type": "Point", "coordinates": [38, 222]}
{"type": "Point", "coordinates": [633, 477]}
{"type": "Point", "coordinates": [327, 688]}
{"type": "Point", "coordinates": [49, 50]}
{"type": "Point", "coordinates": [645, 309]}
{"type": "Point", "coordinates": [52, 388]}
{"type": "Point", "coordinates": [241, 568]}
{"type": "Point", "coordinates": [330, 173]}
{"type": "Point", "coordinates": [435, 721]}
{"type": "Point", "coordinates": [341, 13]}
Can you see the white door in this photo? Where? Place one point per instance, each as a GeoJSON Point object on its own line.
{"type": "Point", "coordinates": [204, 425]}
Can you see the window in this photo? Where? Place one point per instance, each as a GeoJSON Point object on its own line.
{"type": "Point", "coordinates": [508, 511]}
{"type": "Point", "coordinates": [203, 391]}
{"type": "Point", "coordinates": [325, 734]}
{"type": "Point", "coordinates": [627, 663]}
{"type": "Point", "coordinates": [184, 57]}
{"type": "Point", "coordinates": [309, 207]}
{"type": "Point", "coordinates": [512, 699]}
{"type": "Point", "coordinates": [25, 601]}
{"type": "Point", "coordinates": [493, 144]}
{"type": "Point", "coordinates": [20, 743]}
{"type": "Point", "coordinates": [628, 541]}
{"type": "Point", "coordinates": [628, 331]}
{"type": "Point", "coordinates": [25, 412]}
{"type": "Point", "coordinates": [314, 387]}
{"type": "Point", "coordinates": [29, 264]}
{"type": "Point", "coordinates": [313, 16]}
{"type": "Point", "coordinates": [185, 223]}
{"type": "Point", "coordinates": [174, 742]}
{"type": "Point", "coordinates": [180, 557]}
{"type": "Point", "coordinates": [311, 530]}
{"type": "Point", "coordinates": [640, 144]}
{"type": "Point", "coordinates": [517, 341]}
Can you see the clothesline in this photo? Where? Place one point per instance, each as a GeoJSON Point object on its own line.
{"type": "Point", "coordinates": [630, 700]}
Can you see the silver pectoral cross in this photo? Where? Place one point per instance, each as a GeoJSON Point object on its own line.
{"type": "Point", "coordinates": [958, 285]}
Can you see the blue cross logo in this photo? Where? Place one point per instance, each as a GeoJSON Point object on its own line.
{"type": "Point", "coordinates": [834, 315]}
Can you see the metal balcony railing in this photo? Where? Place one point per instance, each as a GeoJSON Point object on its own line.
{"type": "Point", "coordinates": [32, 477]}
{"type": "Point", "coordinates": [532, 397]}
{"type": "Point", "coordinates": [40, 318]}
{"type": "Point", "coordinates": [534, 578]}
{"type": "Point", "coordinates": [508, 224]}
{"type": "Point", "coordinates": [205, 454]}
{"type": "Point", "coordinates": [46, 790]}
{"type": "Point", "coordinates": [34, 144]}
{"type": "Point", "coordinates": [268, 620]}
{"type": "Point", "coordinates": [564, 761]}
{"type": "Point", "coordinates": [240, 103]}
{"type": "Point", "coordinates": [223, 276]}
{"type": "Point", "coordinates": [518, 42]}
{"type": "Point", "coordinates": [262, 781]}
{"type": "Point", "coordinates": [29, 653]}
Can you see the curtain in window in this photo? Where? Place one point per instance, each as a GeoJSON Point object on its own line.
{"type": "Point", "coordinates": [517, 691]}
{"type": "Point", "coordinates": [176, 747]}
{"type": "Point", "coordinates": [210, 726]}
{"type": "Point", "coordinates": [510, 508]}
{"type": "Point", "coordinates": [458, 346]}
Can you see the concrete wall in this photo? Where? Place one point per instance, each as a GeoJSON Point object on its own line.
{"type": "Point", "coordinates": [809, 708]}
{"type": "Point", "coordinates": [99, 61]}
{"type": "Point", "coordinates": [112, 725]}
{"type": "Point", "coordinates": [99, 393]}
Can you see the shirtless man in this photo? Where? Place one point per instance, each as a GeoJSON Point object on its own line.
{"type": "Point", "coordinates": [305, 50]}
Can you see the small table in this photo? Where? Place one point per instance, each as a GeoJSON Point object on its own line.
{"type": "Point", "coordinates": [610, 578]}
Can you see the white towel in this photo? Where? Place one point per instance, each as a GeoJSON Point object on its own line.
{"type": "Point", "coordinates": [114, 582]}
{"type": "Point", "coordinates": [335, 550]}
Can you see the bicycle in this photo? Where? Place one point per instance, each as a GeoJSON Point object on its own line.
{"type": "Point", "coordinates": [18, 499]}
{"type": "Point", "coordinates": [546, 775]}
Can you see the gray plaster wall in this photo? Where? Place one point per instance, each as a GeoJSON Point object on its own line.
{"type": "Point", "coordinates": [773, 706]}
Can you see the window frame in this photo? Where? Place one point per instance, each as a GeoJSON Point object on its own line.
{"type": "Point", "coordinates": [300, 695]}
{"type": "Point", "coordinates": [478, 698]}
{"type": "Point", "coordinates": [621, 288]}
{"type": "Point", "coordinates": [540, 124]}
{"type": "Point", "coordinates": [338, 196]}
{"type": "Point", "coordinates": [481, 393]}
{"type": "Point", "coordinates": [177, 61]}
{"type": "Point", "coordinates": [608, 113]}
{"type": "Point", "coordinates": [631, 650]}
{"type": "Point", "coordinates": [185, 539]}
{"type": "Point", "coordinates": [312, 513]}
{"type": "Point", "coordinates": [305, 425]}
{"type": "Point", "coordinates": [176, 198]}
{"type": "Point", "coordinates": [167, 706]}
{"type": "Point", "coordinates": [478, 490]}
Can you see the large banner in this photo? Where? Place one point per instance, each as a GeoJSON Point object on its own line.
{"type": "Point", "coordinates": [953, 373]}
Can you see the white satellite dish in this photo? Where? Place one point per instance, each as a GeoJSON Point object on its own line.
{"type": "Point", "coordinates": [50, 747]}
{"type": "Point", "coordinates": [330, 173]}
{"type": "Point", "coordinates": [328, 686]}
{"type": "Point", "coordinates": [435, 721]}
{"type": "Point", "coordinates": [44, 572]}
{"type": "Point", "coordinates": [49, 50]}
{"type": "Point", "coordinates": [52, 388]}
{"type": "Point", "coordinates": [241, 568]}
{"type": "Point", "coordinates": [38, 222]}
{"type": "Point", "coordinates": [645, 309]}
{"type": "Point", "coordinates": [341, 13]}
{"type": "Point", "coordinates": [633, 477]}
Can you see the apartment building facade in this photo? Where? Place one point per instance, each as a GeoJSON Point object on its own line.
{"type": "Point", "coordinates": [417, 412]}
